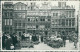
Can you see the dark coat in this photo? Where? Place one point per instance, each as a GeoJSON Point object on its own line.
{"type": "Point", "coordinates": [22, 37]}
{"type": "Point", "coordinates": [64, 37]}
{"type": "Point", "coordinates": [3, 41]}
{"type": "Point", "coordinates": [41, 38]}
{"type": "Point", "coordinates": [8, 43]}
{"type": "Point", "coordinates": [14, 38]}
{"type": "Point", "coordinates": [34, 38]}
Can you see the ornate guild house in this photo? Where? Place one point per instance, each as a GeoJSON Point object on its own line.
{"type": "Point", "coordinates": [31, 18]}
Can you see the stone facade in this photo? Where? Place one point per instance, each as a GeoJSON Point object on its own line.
{"type": "Point", "coordinates": [45, 19]}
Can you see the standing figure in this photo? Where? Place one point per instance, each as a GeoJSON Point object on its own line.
{"type": "Point", "coordinates": [14, 38]}
{"type": "Point", "coordinates": [41, 38]}
{"type": "Point", "coordinates": [75, 39]}
{"type": "Point", "coordinates": [64, 38]}
{"type": "Point", "coordinates": [30, 38]}
{"type": "Point", "coordinates": [23, 37]}
{"type": "Point", "coordinates": [4, 37]}
{"type": "Point", "coordinates": [9, 42]}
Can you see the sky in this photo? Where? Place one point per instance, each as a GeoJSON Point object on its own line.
{"type": "Point", "coordinates": [52, 3]}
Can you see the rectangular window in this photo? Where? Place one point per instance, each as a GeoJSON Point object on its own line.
{"type": "Point", "coordinates": [40, 19]}
{"type": "Point", "coordinates": [66, 22]}
{"type": "Point", "coordinates": [66, 13]}
{"type": "Point", "coordinates": [36, 19]}
{"type": "Point", "coordinates": [73, 14]}
{"type": "Point", "coordinates": [53, 14]}
{"type": "Point", "coordinates": [56, 14]}
{"type": "Point", "coordinates": [43, 19]}
{"type": "Point", "coordinates": [73, 22]}
{"type": "Point", "coordinates": [70, 22]}
{"type": "Point", "coordinates": [19, 15]}
{"type": "Point", "coordinates": [69, 13]}
{"type": "Point", "coordinates": [23, 15]}
{"type": "Point", "coordinates": [28, 19]}
{"type": "Point", "coordinates": [19, 24]}
{"type": "Point", "coordinates": [49, 19]}
{"type": "Point", "coordinates": [5, 14]}
{"type": "Point", "coordinates": [22, 7]}
{"type": "Point", "coordinates": [11, 14]}
{"type": "Point", "coordinates": [10, 21]}
{"type": "Point", "coordinates": [5, 21]}
{"type": "Point", "coordinates": [36, 26]}
{"type": "Point", "coordinates": [23, 24]}
{"type": "Point", "coordinates": [15, 24]}
{"type": "Point", "coordinates": [63, 22]}
{"type": "Point", "coordinates": [15, 7]}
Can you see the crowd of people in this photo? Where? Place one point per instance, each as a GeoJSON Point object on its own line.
{"type": "Point", "coordinates": [9, 41]}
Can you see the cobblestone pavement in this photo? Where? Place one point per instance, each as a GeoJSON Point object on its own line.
{"type": "Point", "coordinates": [42, 46]}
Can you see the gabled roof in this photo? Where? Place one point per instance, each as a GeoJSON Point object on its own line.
{"type": "Point", "coordinates": [19, 3]}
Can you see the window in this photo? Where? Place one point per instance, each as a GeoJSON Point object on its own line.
{"type": "Point", "coordinates": [5, 14]}
{"type": "Point", "coordinates": [55, 14]}
{"type": "Point", "coordinates": [73, 14]}
{"type": "Point", "coordinates": [73, 22]}
{"type": "Point", "coordinates": [11, 14]}
{"type": "Point", "coordinates": [23, 15]}
{"type": "Point", "coordinates": [23, 24]}
{"type": "Point", "coordinates": [15, 24]}
{"type": "Point", "coordinates": [47, 26]}
{"type": "Point", "coordinates": [49, 19]}
{"type": "Point", "coordinates": [70, 22]}
{"type": "Point", "coordinates": [19, 15]}
{"type": "Point", "coordinates": [28, 19]}
{"type": "Point", "coordinates": [36, 26]}
{"type": "Point", "coordinates": [19, 24]}
{"type": "Point", "coordinates": [36, 18]}
{"type": "Point", "coordinates": [10, 21]}
{"type": "Point", "coordinates": [43, 19]}
{"type": "Point", "coordinates": [19, 7]}
{"type": "Point", "coordinates": [66, 22]}
{"type": "Point", "coordinates": [22, 7]}
{"type": "Point", "coordinates": [32, 19]}
{"type": "Point", "coordinates": [69, 13]}
{"type": "Point", "coordinates": [5, 21]}
{"type": "Point", "coordinates": [63, 22]}
{"type": "Point", "coordinates": [40, 19]}
{"type": "Point", "coordinates": [15, 7]}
